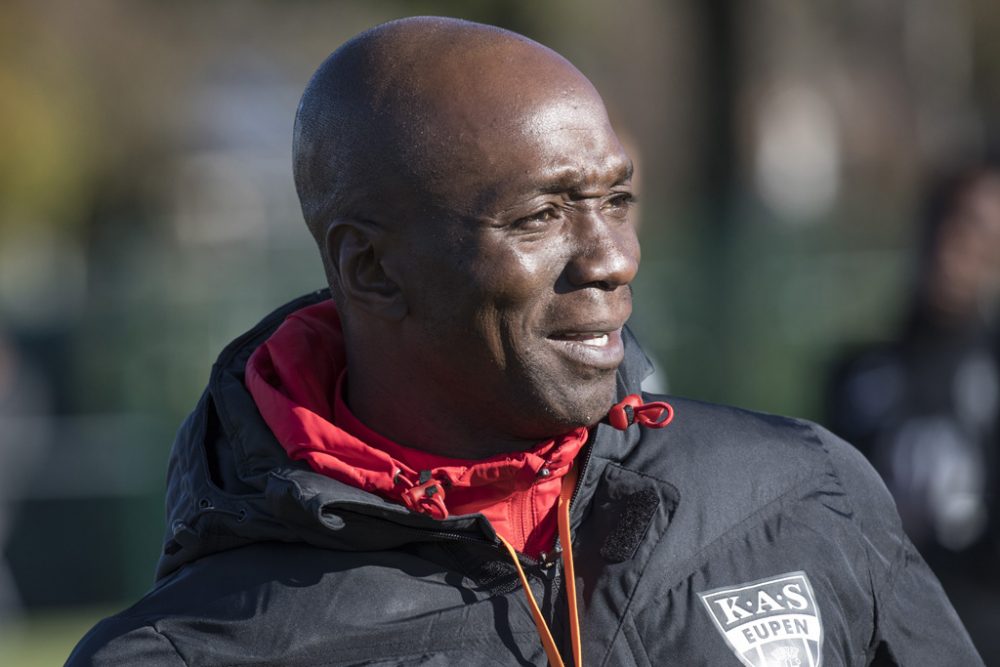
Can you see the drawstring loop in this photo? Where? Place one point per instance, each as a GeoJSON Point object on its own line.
{"type": "Point", "coordinates": [425, 497]}
{"type": "Point", "coordinates": [631, 410]}
{"type": "Point", "coordinates": [569, 574]}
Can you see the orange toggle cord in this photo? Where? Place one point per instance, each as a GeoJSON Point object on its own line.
{"type": "Point", "coordinates": [569, 574]}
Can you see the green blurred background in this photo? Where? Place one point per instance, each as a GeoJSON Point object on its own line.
{"type": "Point", "coordinates": [148, 215]}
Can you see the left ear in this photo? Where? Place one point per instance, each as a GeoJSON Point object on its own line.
{"type": "Point", "coordinates": [356, 250]}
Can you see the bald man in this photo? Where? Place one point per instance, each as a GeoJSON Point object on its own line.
{"type": "Point", "coordinates": [450, 461]}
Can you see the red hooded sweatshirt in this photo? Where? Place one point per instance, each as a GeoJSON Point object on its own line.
{"type": "Point", "coordinates": [297, 379]}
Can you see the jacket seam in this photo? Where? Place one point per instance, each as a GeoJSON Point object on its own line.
{"type": "Point", "coordinates": [170, 641]}
{"type": "Point", "coordinates": [216, 491]}
{"type": "Point", "coordinates": [618, 464]}
{"type": "Point", "coordinates": [745, 523]}
{"type": "Point", "coordinates": [633, 639]}
{"type": "Point", "coordinates": [897, 558]}
{"type": "Point", "coordinates": [627, 609]}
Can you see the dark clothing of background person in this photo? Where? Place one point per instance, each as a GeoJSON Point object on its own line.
{"type": "Point", "coordinates": [924, 410]}
{"type": "Point", "coordinates": [925, 407]}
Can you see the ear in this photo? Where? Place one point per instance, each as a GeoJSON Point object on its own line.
{"type": "Point", "coordinates": [356, 253]}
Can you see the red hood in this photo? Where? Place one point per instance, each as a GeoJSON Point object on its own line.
{"type": "Point", "coordinates": [297, 380]}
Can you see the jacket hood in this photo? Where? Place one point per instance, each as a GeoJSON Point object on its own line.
{"type": "Point", "coordinates": [230, 482]}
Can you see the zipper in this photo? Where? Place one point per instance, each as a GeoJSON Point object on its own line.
{"type": "Point", "coordinates": [557, 549]}
{"type": "Point", "coordinates": [458, 537]}
{"type": "Point", "coordinates": [557, 576]}
{"type": "Point", "coordinates": [588, 452]}
{"type": "Point", "coordinates": [550, 574]}
{"type": "Point", "coordinates": [526, 561]}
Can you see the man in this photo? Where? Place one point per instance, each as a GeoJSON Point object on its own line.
{"type": "Point", "coordinates": [452, 465]}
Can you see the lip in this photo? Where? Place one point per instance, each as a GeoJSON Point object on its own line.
{"type": "Point", "coordinates": [596, 347]}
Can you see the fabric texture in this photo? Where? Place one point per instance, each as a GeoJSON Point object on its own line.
{"type": "Point", "coordinates": [728, 538]}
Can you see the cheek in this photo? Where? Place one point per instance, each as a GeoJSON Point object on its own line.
{"type": "Point", "coordinates": [512, 292]}
{"type": "Point", "coordinates": [518, 279]}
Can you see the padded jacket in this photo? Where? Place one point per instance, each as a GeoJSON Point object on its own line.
{"type": "Point", "coordinates": [727, 538]}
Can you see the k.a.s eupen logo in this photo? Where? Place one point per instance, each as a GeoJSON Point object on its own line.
{"type": "Point", "coordinates": [770, 622]}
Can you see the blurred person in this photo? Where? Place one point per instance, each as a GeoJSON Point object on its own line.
{"type": "Point", "coordinates": [25, 431]}
{"type": "Point", "coordinates": [925, 406]}
{"type": "Point", "coordinates": [450, 461]}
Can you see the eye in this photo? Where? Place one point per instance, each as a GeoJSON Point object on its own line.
{"type": "Point", "coordinates": [539, 219]}
{"type": "Point", "coordinates": [619, 204]}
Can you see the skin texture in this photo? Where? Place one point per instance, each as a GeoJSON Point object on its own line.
{"type": "Point", "coordinates": [472, 205]}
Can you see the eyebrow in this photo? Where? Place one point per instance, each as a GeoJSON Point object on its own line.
{"type": "Point", "coordinates": [568, 180]}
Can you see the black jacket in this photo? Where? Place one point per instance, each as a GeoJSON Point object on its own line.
{"type": "Point", "coordinates": [726, 532]}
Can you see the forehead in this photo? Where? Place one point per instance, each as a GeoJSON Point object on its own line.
{"type": "Point", "coordinates": [563, 143]}
{"type": "Point", "coordinates": [572, 132]}
{"type": "Point", "coordinates": [492, 121]}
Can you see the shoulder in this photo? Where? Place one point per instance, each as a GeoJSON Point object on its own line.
{"type": "Point", "coordinates": [732, 440]}
{"type": "Point", "coordinates": [721, 444]}
{"type": "Point", "coordinates": [124, 641]}
{"type": "Point", "coordinates": [246, 605]}
{"type": "Point", "coordinates": [729, 464]}
{"type": "Point", "coordinates": [762, 499]}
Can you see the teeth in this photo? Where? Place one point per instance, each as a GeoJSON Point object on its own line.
{"type": "Point", "coordinates": [600, 341]}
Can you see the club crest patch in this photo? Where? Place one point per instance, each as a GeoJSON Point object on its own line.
{"type": "Point", "coordinates": [770, 622]}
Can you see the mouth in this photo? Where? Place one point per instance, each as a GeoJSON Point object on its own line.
{"type": "Point", "coordinates": [592, 339]}
{"type": "Point", "coordinates": [597, 348]}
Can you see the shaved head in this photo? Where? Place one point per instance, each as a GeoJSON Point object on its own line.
{"type": "Point", "coordinates": [472, 206]}
{"type": "Point", "coordinates": [393, 119]}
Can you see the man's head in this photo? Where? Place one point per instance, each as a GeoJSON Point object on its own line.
{"type": "Point", "coordinates": [471, 203]}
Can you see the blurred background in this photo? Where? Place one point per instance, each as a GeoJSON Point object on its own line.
{"type": "Point", "coordinates": [785, 152]}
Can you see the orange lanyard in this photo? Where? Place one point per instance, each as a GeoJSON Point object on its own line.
{"type": "Point", "coordinates": [569, 574]}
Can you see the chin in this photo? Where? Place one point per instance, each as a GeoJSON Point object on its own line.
{"type": "Point", "coordinates": [582, 407]}
{"type": "Point", "coordinates": [544, 404]}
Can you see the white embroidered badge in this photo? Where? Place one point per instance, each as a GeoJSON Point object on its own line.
{"type": "Point", "coordinates": [770, 622]}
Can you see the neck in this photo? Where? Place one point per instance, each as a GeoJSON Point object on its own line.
{"type": "Point", "coordinates": [406, 413]}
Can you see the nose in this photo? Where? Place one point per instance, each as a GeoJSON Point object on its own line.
{"type": "Point", "coordinates": [606, 253]}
